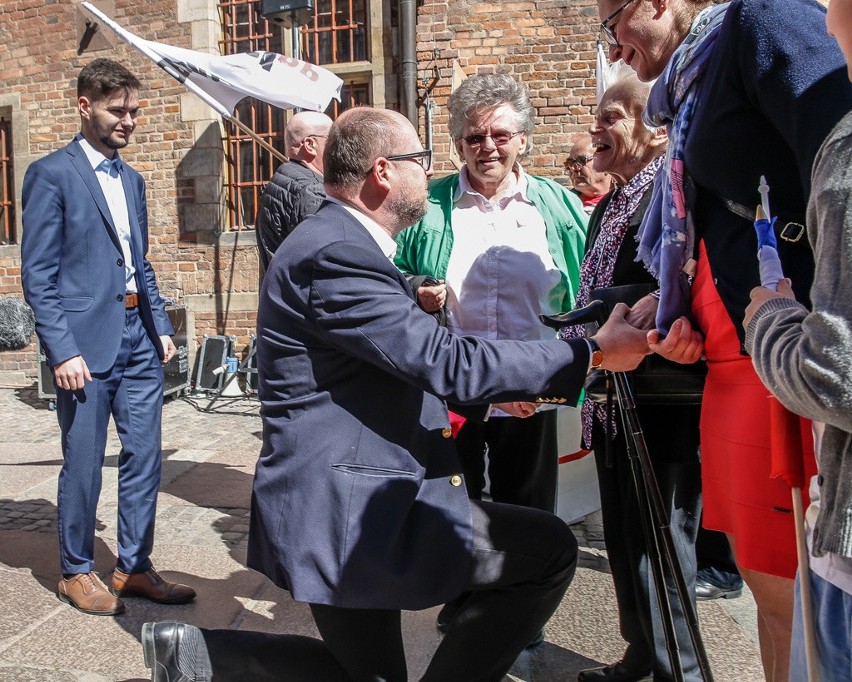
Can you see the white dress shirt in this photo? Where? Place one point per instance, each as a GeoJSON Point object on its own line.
{"type": "Point", "coordinates": [500, 275]}
{"type": "Point", "coordinates": [108, 173]}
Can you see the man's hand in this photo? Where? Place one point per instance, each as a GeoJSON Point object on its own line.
{"type": "Point", "coordinates": [71, 374]}
{"type": "Point", "coordinates": [643, 314]}
{"type": "Point", "coordinates": [517, 409]}
{"type": "Point", "coordinates": [683, 343]}
{"type": "Point", "coordinates": [432, 298]}
{"type": "Point", "coordinates": [760, 295]}
{"type": "Point", "coordinates": [169, 349]}
{"type": "Point", "coordinates": [623, 345]}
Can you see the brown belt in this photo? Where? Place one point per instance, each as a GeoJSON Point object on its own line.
{"type": "Point", "coordinates": [131, 300]}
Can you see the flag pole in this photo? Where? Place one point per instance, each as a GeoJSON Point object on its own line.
{"type": "Point", "coordinates": [248, 131]}
{"type": "Point", "coordinates": [811, 656]}
{"type": "Point", "coordinates": [785, 430]}
{"type": "Point", "coordinates": [181, 78]}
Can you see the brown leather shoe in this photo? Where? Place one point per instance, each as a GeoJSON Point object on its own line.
{"type": "Point", "coordinates": [86, 592]}
{"type": "Point", "coordinates": [151, 586]}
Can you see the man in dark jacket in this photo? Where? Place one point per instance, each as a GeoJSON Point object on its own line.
{"type": "Point", "coordinates": [359, 507]}
{"type": "Point", "coordinates": [295, 190]}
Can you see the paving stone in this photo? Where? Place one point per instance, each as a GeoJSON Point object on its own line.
{"type": "Point", "coordinates": [201, 539]}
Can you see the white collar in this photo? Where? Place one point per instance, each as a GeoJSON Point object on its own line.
{"type": "Point", "coordinates": [519, 189]}
{"type": "Point", "coordinates": [93, 155]}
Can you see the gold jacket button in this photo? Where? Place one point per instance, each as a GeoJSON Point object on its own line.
{"type": "Point", "coordinates": [447, 432]}
{"type": "Point", "coordinates": [455, 481]}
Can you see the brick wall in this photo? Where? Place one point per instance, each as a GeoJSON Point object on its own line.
{"type": "Point", "coordinates": [549, 45]}
{"type": "Point", "coordinates": [39, 62]}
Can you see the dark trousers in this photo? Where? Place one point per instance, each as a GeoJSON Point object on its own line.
{"type": "Point", "coordinates": [522, 563]}
{"type": "Point", "coordinates": [674, 453]}
{"type": "Point", "coordinates": [522, 459]}
{"type": "Point", "coordinates": [716, 560]}
{"type": "Point", "coordinates": [132, 392]}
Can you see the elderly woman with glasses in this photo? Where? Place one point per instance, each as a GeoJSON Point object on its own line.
{"type": "Point", "coordinates": [746, 89]}
{"type": "Point", "coordinates": [589, 184]}
{"type": "Point", "coordinates": [632, 154]}
{"type": "Point", "coordinates": [500, 246]}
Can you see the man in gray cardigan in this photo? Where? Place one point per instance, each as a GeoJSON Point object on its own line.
{"type": "Point", "coordinates": [805, 359]}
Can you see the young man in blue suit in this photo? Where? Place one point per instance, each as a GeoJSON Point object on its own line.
{"type": "Point", "coordinates": [106, 334]}
{"type": "Point", "coordinates": [359, 506]}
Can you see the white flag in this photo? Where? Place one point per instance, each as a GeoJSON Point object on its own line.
{"type": "Point", "coordinates": [606, 74]}
{"type": "Point", "coordinates": [276, 79]}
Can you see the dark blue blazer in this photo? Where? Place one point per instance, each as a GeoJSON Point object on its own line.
{"type": "Point", "coordinates": [358, 500]}
{"type": "Point", "coordinates": [72, 264]}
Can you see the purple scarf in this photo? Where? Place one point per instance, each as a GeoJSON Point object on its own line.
{"type": "Point", "coordinates": [667, 235]}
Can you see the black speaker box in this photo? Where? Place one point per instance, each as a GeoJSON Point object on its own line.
{"type": "Point", "coordinates": [284, 10]}
{"type": "Point", "coordinates": [214, 352]}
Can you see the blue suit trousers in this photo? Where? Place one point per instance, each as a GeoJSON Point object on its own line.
{"type": "Point", "coordinates": [132, 392]}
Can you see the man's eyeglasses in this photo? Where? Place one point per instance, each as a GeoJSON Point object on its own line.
{"type": "Point", "coordinates": [499, 139]}
{"type": "Point", "coordinates": [423, 159]}
{"type": "Point", "coordinates": [579, 162]}
{"type": "Point", "coordinates": [607, 28]}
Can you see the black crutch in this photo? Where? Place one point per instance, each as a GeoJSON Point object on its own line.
{"type": "Point", "coordinates": [655, 520]}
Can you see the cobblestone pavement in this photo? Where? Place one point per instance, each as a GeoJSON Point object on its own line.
{"type": "Point", "coordinates": [202, 526]}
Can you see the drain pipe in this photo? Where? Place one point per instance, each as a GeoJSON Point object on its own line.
{"type": "Point", "coordinates": [408, 45]}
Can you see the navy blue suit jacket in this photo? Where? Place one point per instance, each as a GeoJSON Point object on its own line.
{"type": "Point", "coordinates": [72, 265]}
{"type": "Point", "coordinates": [358, 500]}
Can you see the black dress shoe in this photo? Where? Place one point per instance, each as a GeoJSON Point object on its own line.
{"type": "Point", "coordinates": [171, 652]}
{"type": "Point", "coordinates": [613, 673]}
{"type": "Point", "coordinates": [705, 591]}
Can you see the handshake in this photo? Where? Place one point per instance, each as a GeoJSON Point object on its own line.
{"type": "Point", "coordinates": [623, 345]}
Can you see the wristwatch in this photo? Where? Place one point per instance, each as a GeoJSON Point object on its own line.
{"type": "Point", "coordinates": [597, 353]}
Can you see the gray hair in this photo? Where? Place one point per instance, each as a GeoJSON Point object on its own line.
{"type": "Point", "coordinates": [484, 92]}
{"type": "Point", "coordinates": [623, 74]}
{"type": "Point", "coordinates": [355, 141]}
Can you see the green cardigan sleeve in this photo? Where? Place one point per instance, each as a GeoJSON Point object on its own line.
{"type": "Point", "coordinates": [566, 223]}
{"type": "Point", "coordinates": [425, 247]}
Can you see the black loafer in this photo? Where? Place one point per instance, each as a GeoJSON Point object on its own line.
{"type": "Point", "coordinates": [170, 651]}
{"type": "Point", "coordinates": [614, 673]}
{"type": "Point", "coordinates": [705, 591]}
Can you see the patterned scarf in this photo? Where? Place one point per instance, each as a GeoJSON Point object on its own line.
{"type": "Point", "coordinates": [598, 266]}
{"type": "Point", "coordinates": [667, 235]}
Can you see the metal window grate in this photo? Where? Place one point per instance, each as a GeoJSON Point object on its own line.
{"type": "Point", "coordinates": [7, 184]}
{"type": "Point", "coordinates": [336, 33]}
{"type": "Point", "coordinates": [249, 164]}
{"type": "Point", "coordinates": [352, 94]}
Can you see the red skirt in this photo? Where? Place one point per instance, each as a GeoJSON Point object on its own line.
{"type": "Point", "coordinates": [740, 498]}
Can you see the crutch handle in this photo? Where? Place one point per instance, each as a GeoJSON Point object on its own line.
{"type": "Point", "coordinates": [596, 311]}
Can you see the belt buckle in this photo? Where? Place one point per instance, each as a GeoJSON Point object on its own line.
{"type": "Point", "coordinates": [789, 236]}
